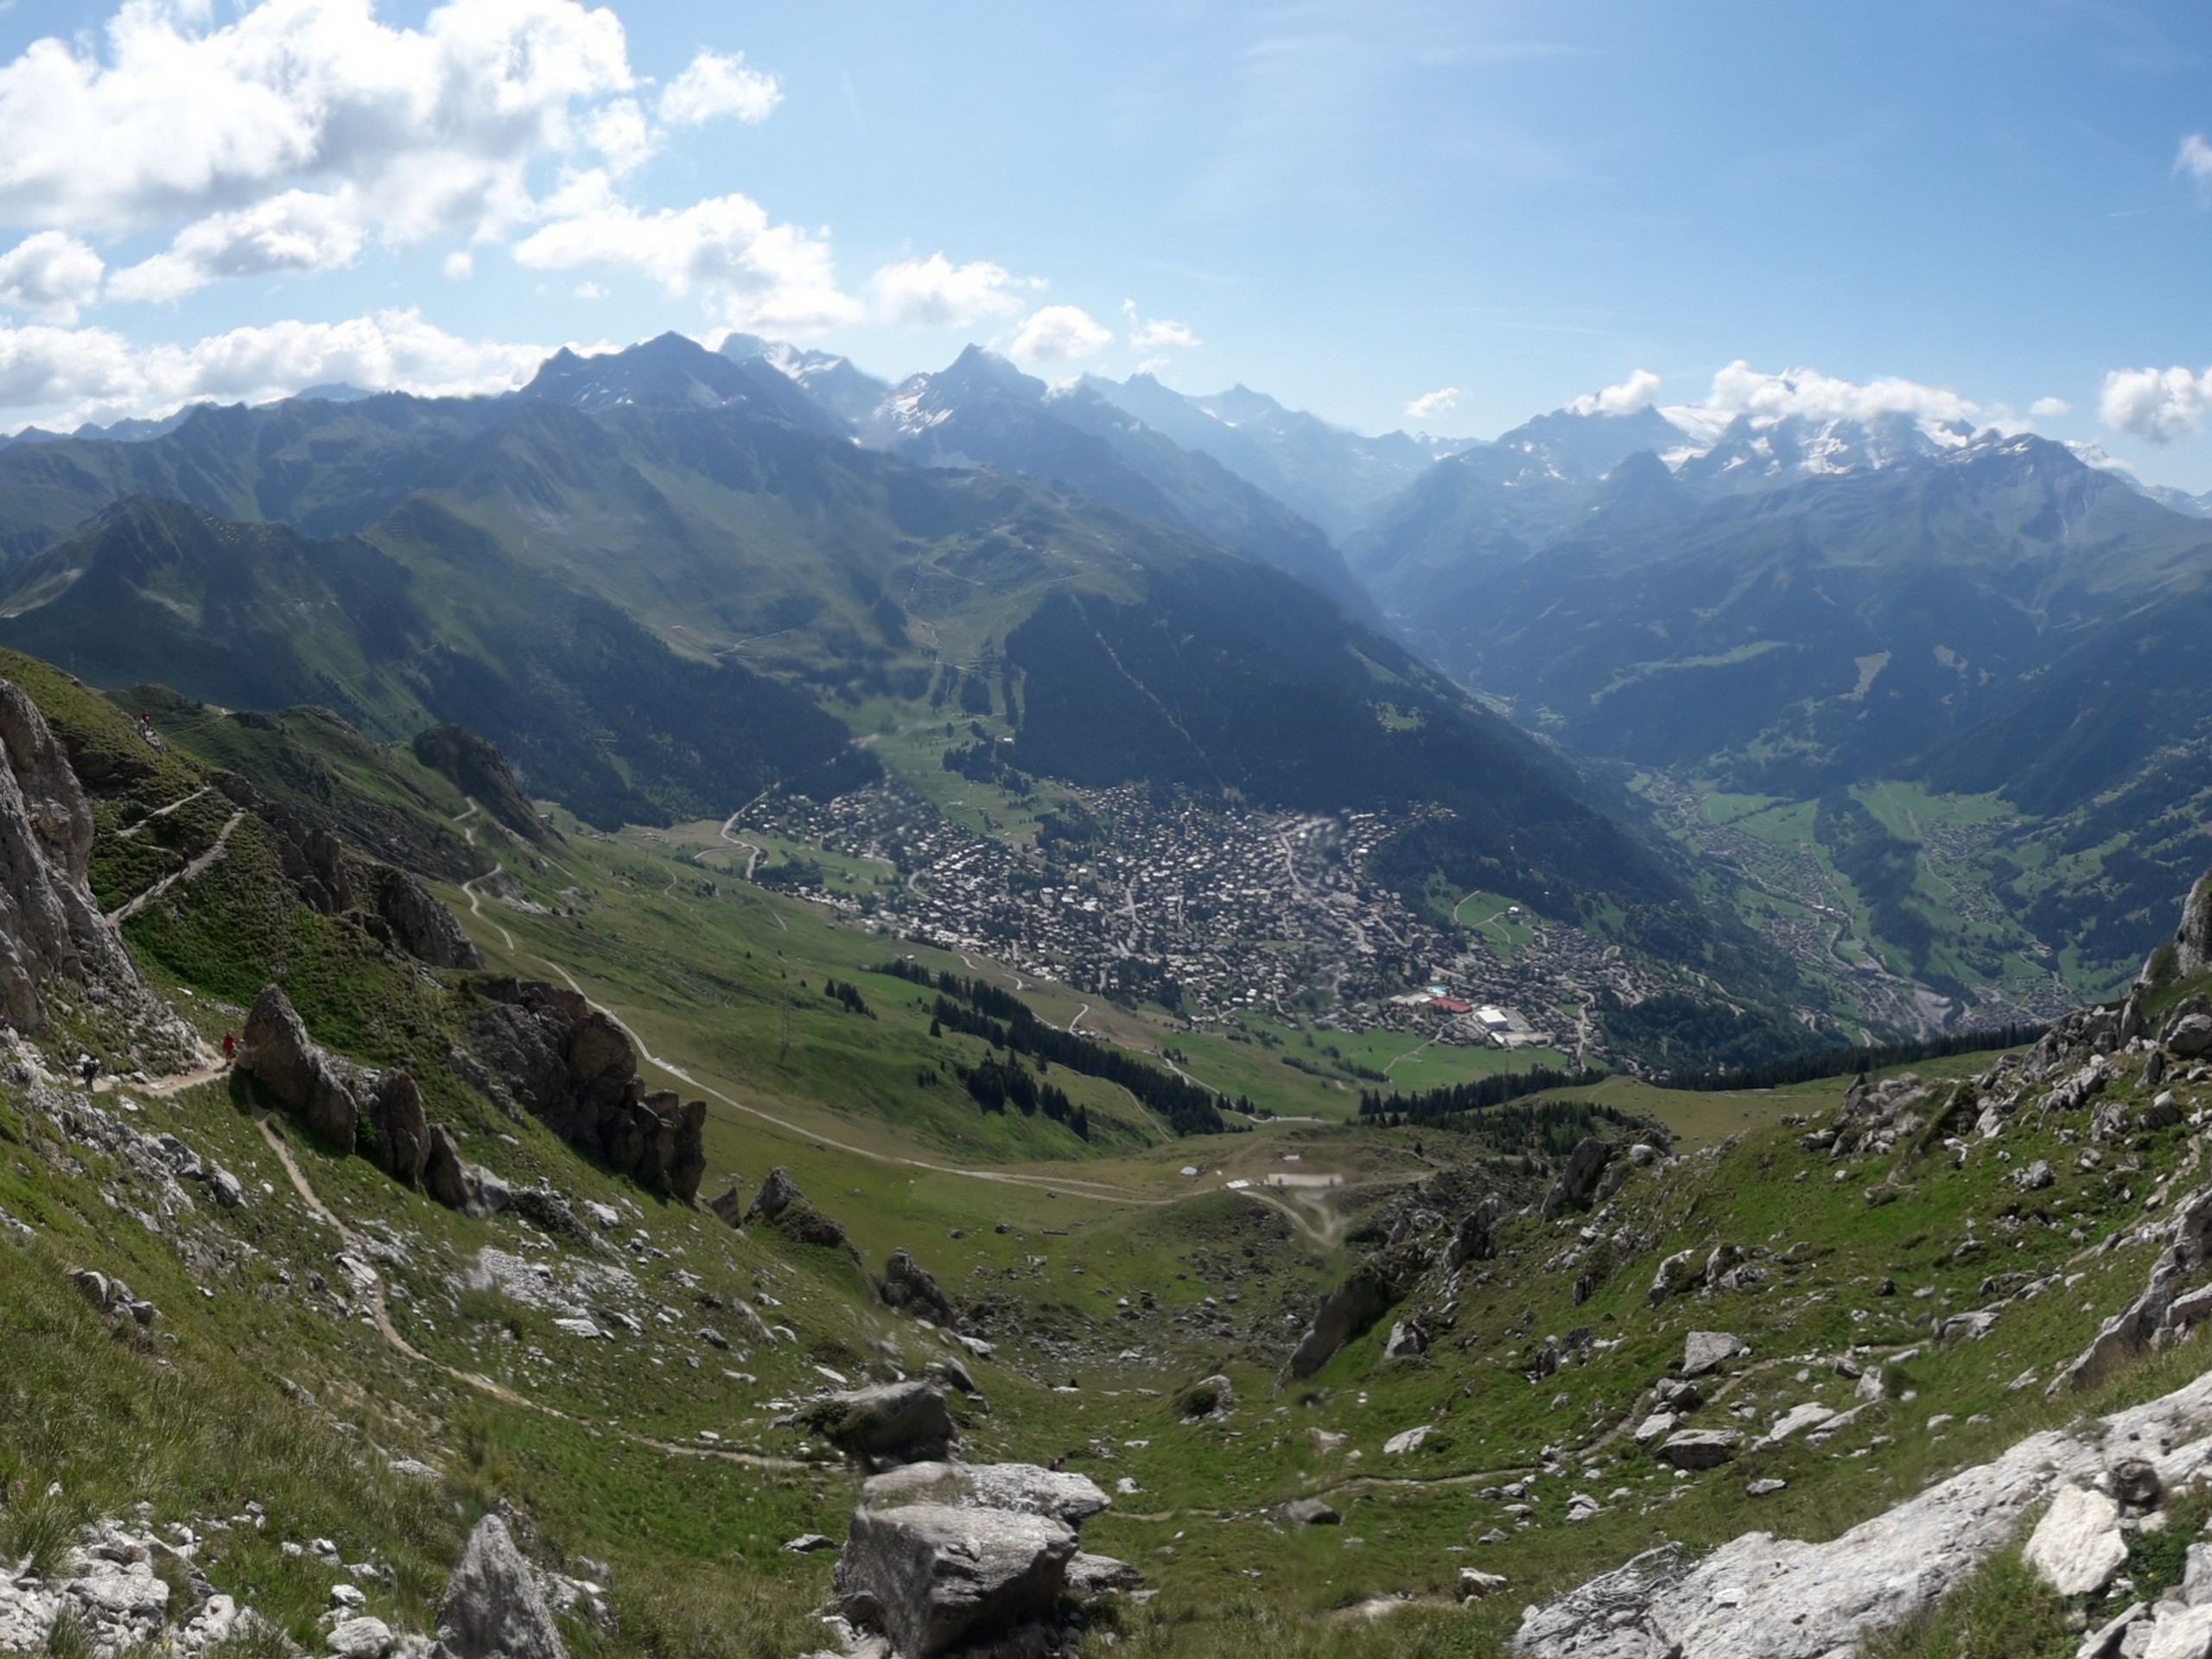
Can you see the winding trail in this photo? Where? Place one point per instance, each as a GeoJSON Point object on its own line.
{"type": "Point", "coordinates": [358, 1249]}
{"type": "Point", "coordinates": [161, 812]}
{"type": "Point", "coordinates": [199, 866]}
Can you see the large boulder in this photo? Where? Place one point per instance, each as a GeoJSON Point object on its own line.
{"type": "Point", "coordinates": [1344, 1313]}
{"type": "Point", "coordinates": [891, 1422]}
{"type": "Point", "coordinates": [306, 1082]}
{"type": "Point", "coordinates": [50, 930]}
{"type": "Point", "coordinates": [1699, 1448]}
{"type": "Point", "coordinates": [936, 1579]}
{"type": "Point", "coordinates": [1708, 1351]}
{"type": "Point", "coordinates": [780, 1204]}
{"type": "Point", "coordinates": [494, 1606]}
{"type": "Point", "coordinates": [2077, 1546]}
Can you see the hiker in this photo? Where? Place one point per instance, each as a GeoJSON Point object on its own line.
{"type": "Point", "coordinates": [230, 1048]}
{"type": "Point", "coordinates": [88, 1068]}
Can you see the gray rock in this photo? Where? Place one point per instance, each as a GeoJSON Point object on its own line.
{"type": "Point", "coordinates": [227, 1189]}
{"type": "Point", "coordinates": [1705, 1351]}
{"type": "Point", "coordinates": [892, 1422]}
{"type": "Point", "coordinates": [2179, 1633]}
{"type": "Point", "coordinates": [1311, 1512]}
{"type": "Point", "coordinates": [780, 1204]}
{"type": "Point", "coordinates": [2128, 1335]}
{"type": "Point", "coordinates": [1474, 1239]}
{"type": "Point", "coordinates": [1765, 1488]}
{"type": "Point", "coordinates": [1699, 1448]}
{"type": "Point", "coordinates": [2036, 1177]}
{"type": "Point", "coordinates": [1475, 1584]}
{"type": "Point", "coordinates": [906, 1284]}
{"type": "Point", "coordinates": [1580, 1178]}
{"type": "Point", "coordinates": [934, 1579]}
{"type": "Point", "coordinates": [403, 1128]}
{"type": "Point", "coordinates": [1100, 1575]}
{"type": "Point", "coordinates": [420, 925]}
{"type": "Point", "coordinates": [1344, 1313]}
{"type": "Point", "coordinates": [1022, 1488]}
{"type": "Point", "coordinates": [361, 1638]}
{"type": "Point", "coordinates": [1657, 1427]}
{"type": "Point", "coordinates": [2077, 1547]}
{"type": "Point", "coordinates": [304, 1080]}
{"type": "Point", "coordinates": [1408, 1341]}
{"type": "Point", "coordinates": [810, 1543]}
{"type": "Point", "coordinates": [2189, 1038]}
{"type": "Point", "coordinates": [494, 1606]}
{"type": "Point", "coordinates": [1672, 1274]}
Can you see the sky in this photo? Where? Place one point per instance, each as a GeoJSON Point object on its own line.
{"type": "Point", "coordinates": [1444, 216]}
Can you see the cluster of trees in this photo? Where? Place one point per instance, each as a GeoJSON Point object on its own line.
{"type": "Point", "coordinates": [1847, 1062]}
{"type": "Point", "coordinates": [844, 991]}
{"type": "Point", "coordinates": [1005, 1021]}
{"type": "Point", "coordinates": [997, 1082]}
{"type": "Point", "coordinates": [1432, 1105]}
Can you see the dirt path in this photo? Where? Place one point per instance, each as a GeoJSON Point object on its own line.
{"type": "Point", "coordinates": [161, 812]}
{"type": "Point", "coordinates": [358, 1249]}
{"type": "Point", "coordinates": [205, 861]}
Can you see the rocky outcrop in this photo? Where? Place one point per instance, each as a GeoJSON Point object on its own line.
{"type": "Point", "coordinates": [402, 1147]}
{"type": "Point", "coordinates": [890, 1423]}
{"type": "Point", "coordinates": [1020, 1487]}
{"type": "Point", "coordinates": [1760, 1597]}
{"type": "Point", "coordinates": [307, 1082]}
{"type": "Point", "coordinates": [907, 1285]}
{"type": "Point", "coordinates": [780, 1204]}
{"type": "Point", "coordinates": [50, 930]}
{"type": "Point", "coordinates": [2163, 1308]}
{"type": "Point", "coordinates": [547, 1051]}
{"type": "Point", "coordinates": [1579, 1180]}
{"type": "Point", "coordinates": [494, 1606]}
{"type": "Point", "coordinates": [418, 924]}
{"type": "Point", "coordinates": [1346, 1312]}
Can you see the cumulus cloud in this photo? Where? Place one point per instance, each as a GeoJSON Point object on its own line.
{"type": "Point", "coordinates": [81, 374]}
{"type": "Point", "coordinates": [1741, 389]}
{"type": "Point", "coordinates": [52, 274]}
{"type": "Point", "coordinates": [1158, 333]}
{"type": "Point", "coordinates": [298, 231]}
{"type": "Point", "coordinates": [435, 127]}
{"type": "Point", "coordinates": [1434, 405]}
{"type": "Point", "coordinates": [2160, 404]}
{"type": "Point", "coordinates": [2195, 159]}
{"type": "Point", "coordinates": [715, 86]}
{"type": "Point", "coordinates": [1634, 395]}
{"type": "Point", "coordinates": [750, 272]}
{"type": "Point", "coordinates": [934, 293]}
{"type": "Point", "coordinates": [2050, 408]}
{"type": "Point", "coordinates": [1060, 334]}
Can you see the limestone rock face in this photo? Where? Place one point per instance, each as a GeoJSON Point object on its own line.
{"type": "Point", "coordinates": [891, 1422]}
{"type": "Point", "coordinates": [546, 1050]}
{"type": "Point", "coordinates": [50, 928]}
{"type": "Point", "coordinates": [936, 1579]}
{"type": "Point", "coordinates": [493, 1607]}
{"type": "Point", "coordinates": [2193, 942]}
{"type": "Point", "coordinates": [306, 1083]}
{"type": "Point", "coordinates": [1344, 1313]}
{"type": "Point", "coordinates": [2162, 1306]}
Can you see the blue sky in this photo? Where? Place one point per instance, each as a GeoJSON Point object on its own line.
{"type": "Point", "coordinates": [1352, 207]}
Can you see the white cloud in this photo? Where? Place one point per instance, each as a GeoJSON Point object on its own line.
{"type": "Point", "coordinates": [435, 128]}
{"type": "Point", "coordinates": [618, 131]}
{"type": "Point", "coordinates": [934, 293]}
{"type": "Point", "coordinates": [2050, 408]}
{"type": "Point", "coordinates": [52, 274]}
{"type": "Point", "coordinates": [2160, 404]}
{"type": "Point", "coordinates": [715, 86]}
{"type": "Point", "coordinates": [1633, 396]}
{"type": "Point", "coordinates": [590, 291]}
{"type": "Point", "coordinates": [1741, 389]}
{"type": "Point", "coordinates": [460, 265]}
{"type": "Point", "coordinates": [2195, 159]}
{"type": "Point", "coordinates": [1158, 333]}
{"type": "Point", "coordinates": [78, 374]}
{"type": "Point", "coordinates": [753, 274]}
{"type": "Point", "coordinates": [1060, 334]}
{"type": "Point", "coordinates": [1434, 405]}
{"type": "Point", "coordinates": [298, 231]}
